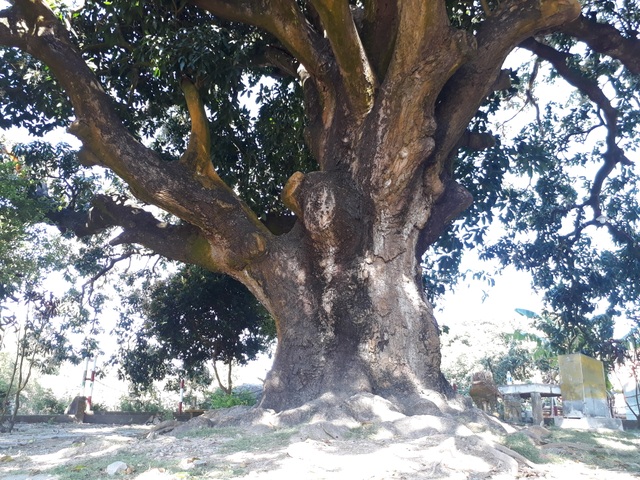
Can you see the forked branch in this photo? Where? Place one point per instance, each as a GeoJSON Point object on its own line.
{"type": "Point", "coordinates": [379, 31]}
{"type": "Point", "coordinates": [197, 157]}
{"type": "Point", "coordinates": [31, 26]}
{"type": "Point", "coordinates": [281, 18]}
{"type": "Point", "coordinates": [589, 88]}
{"type": "Point", "coordinates": [176, 242]}
{"type": "Point", "coordinates": [355, 70]}
{"type": "Point", "coordinates": [454, 200]}
{"type": "Point", "coordinates": [419, 24]}
{"type": "Point", "coordinates": [511, 23]}
{"type": "Point", "coordinates": [606, 39]}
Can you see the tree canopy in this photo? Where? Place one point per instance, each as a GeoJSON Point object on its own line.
{"type": "Point", "coordinates": [196, 318]}
{"type": "Point", "coordinates": [315, 150]}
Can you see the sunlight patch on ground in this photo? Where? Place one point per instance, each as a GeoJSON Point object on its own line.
{"type": "Point", "coordinates": [618, 445]}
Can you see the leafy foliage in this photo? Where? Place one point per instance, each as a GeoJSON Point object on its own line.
{"type": "Point", "coordinates": [565, 215]}
{"type": "Point", "coordinates": [34, 398]}
{"type": "Point", "coordinates": [222, 399]}
{"type": "Point", "coordinates": [195, 317]}
{"type": "Point", "coordinates": [632, 362]}
{"type": "Point", "coordinates": [41, 106]}
{"type": "Point", "coordinates": [141, 51]}
{"type": "Point", "coordinates": [42, 401]}
{"type": "Point", "coordinates": [147, 402]}
{"type": "Point", "coordinates": [20, 211]}
{"type": "Point", "coordinates": [520, 357]}
{"type": "Point", "coordinates": [40, 183]}
{"type": "Point", "coordinates": [591, 336]}
{"type": "Point", "coordinates": [38, 346]}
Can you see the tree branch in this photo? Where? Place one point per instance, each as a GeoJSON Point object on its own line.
{"type": "Point", "coordinates": [617, 233]}
{"type": "Point", "coordinates": [419, 23]}
{"type": "Point", "coordinates": [31, 26]}
{"type": "Point", "coordinates": [113, 261]}
{"type": "Point", "coordinates": [511, 23]}
{"type": "Point", "coordinates": [197, 157]}
{"type": "Point", "coordinates": [590, 88]}
{"type": "Point", "coordinates": [586, 85]}
{"type": "Point", "coordinates": [349, 52]}
{"type": "Point", "coordinates": [455, 200]}
{"type": "Point", "coordinates": [177, 242]}
{"type": "Point", "coordinates": [427, 52]}
{"type": "Point", "coordinates": [477, 141]}
{"type": "Point", "coordinates": [503, 82]}
{"type": "Point", "coordinates": [279, 59]}
{"type": "Point", "coordinates": [281, 18]}
{"type": "Point", "coordinates": [285, 20]}
{"type": "Point", "coordinates": [606, 39]}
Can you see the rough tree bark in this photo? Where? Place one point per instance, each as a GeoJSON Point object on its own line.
{"type": "Point", "coordinates": [388, 101]}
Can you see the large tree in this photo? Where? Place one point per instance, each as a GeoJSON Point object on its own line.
{"type": "Point", "coordinates": [392, 91]}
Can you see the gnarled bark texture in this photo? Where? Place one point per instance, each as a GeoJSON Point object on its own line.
{"type": "Point", "coordinates": [388, 99]}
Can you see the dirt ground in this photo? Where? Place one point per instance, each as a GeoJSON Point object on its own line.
{"type": "Point", "coordinates": [364, 438]}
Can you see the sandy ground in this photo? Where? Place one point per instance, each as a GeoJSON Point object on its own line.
{"type": "Point", "coordinates": [265, 447]}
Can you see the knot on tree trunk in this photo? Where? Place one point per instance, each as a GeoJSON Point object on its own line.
{"type": "Point", "coordinates": [332, 211]}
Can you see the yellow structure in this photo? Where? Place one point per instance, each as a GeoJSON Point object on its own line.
{"type": "Point", "coordinates": [583, 387]}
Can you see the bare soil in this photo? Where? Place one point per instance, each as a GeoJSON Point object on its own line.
{"type": "Point", "coordinates": [364, 437]}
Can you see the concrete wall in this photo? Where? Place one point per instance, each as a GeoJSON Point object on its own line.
{"type": "Point", "coordinates": [119, 418]}
{"type": "Point", "coordinates": [583, 386]}
{"type": "Point", "coordinates": [44, 419]}
{"type": "Point", "coordinates": [104, 418]}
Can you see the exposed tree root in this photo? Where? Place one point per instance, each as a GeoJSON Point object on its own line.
{"type": "Point", "coordinates": [422, 437]}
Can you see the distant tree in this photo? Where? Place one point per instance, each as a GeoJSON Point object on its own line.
{"type": "Point", "coordinates": [498, 347]}
{"type": "Point", "coordinates": [21, 261]}
{"type": "Point", "coordinates": [36, 345]}
{"type": "Point", "coordinates": [40, 184]}
{"type": "Point", "coordinates": [197, 318]}
{"type": "Point", "coordinates": [590, 336]}
{"type": "Point", "coordinates": [523, 356]}
{"type": "Point", "coordinates": [27, 254]}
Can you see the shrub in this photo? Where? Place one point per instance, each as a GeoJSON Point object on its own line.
{"type": "Point", "coordinates": [40, 400]}
{"type": "Point", "coordinates": [149, 403]}
{"type": "Point", "coordinates": [98, 407]}
{"type": "Point", "coordinates": [220, 399]}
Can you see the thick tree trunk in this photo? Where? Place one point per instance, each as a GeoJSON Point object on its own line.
{"type": "Point", "coordinates": [345, 284]}
{"type": "Point", "coordinates": [349, 321]}
{"type": "Point", "coordinates": [373, 335]}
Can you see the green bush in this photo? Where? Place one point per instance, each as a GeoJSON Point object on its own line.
{"type": "Point", "coordinates": [40, 400]}
{"type": "Point", "coordinates": [221, 399]}
{"type": "Point", "coordinates": [34, 398]}
{"type": "Point", "coordinates": [150, 403]}
{"type": "Point", "coordinates": [98, 407]}
{"type": "Point", "coordinates": [37, 400]}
